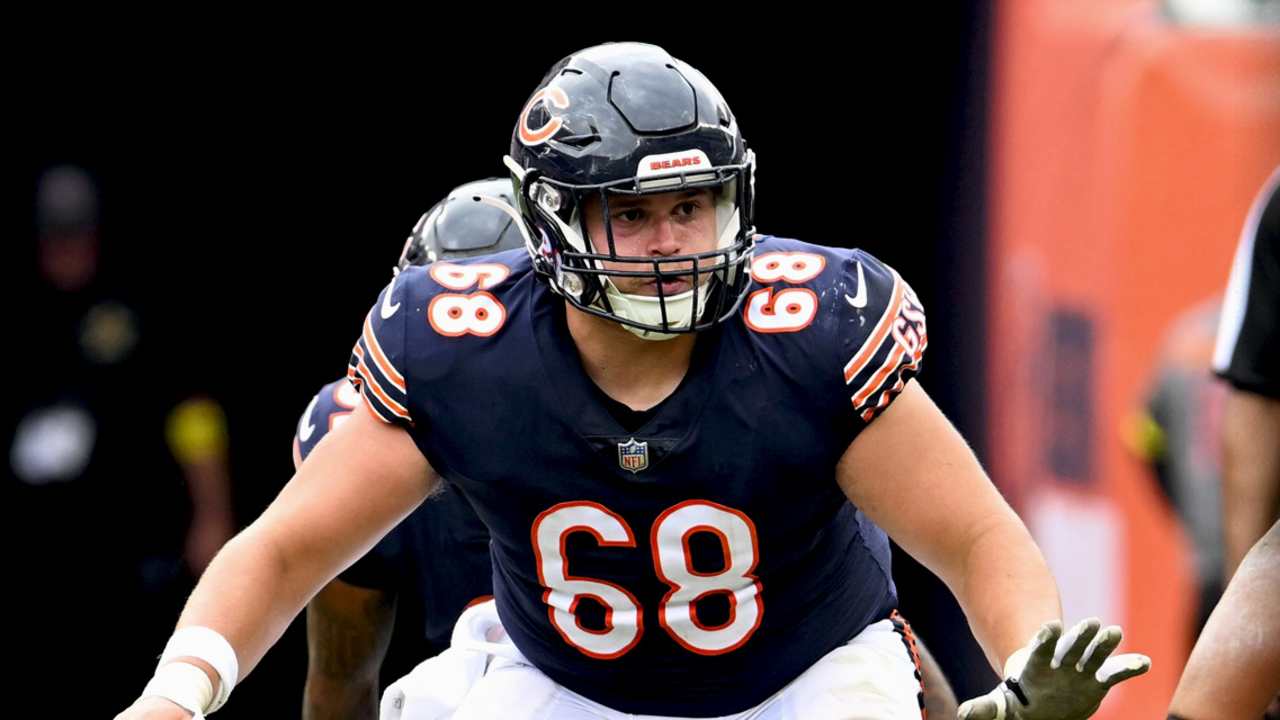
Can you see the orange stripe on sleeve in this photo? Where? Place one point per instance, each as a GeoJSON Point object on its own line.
{"type": "Point", "coordinates": [369, 404]}
{"type": "Point", "coordinates": [890, 363]}
{"type": "Point", "coordinates": [372, 384]}
{"type": "Point", "coordinates": [869, 348]}
{"type": "Point", "coordinates": [868, 390]}
{"type": "Point", "coordinates": [379, 359]}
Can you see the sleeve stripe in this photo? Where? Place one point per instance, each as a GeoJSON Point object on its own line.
{"type": "Point", "coordinates": [904, 371]}
{"type": "Point", "coordinates": [354, 378]}
{"type": "Point", "coordinates": [1236, 300]}
{"type": "Point", "coordinates": [872, 345]}
{"type": "Point", "coordinates": [396, 408]}
{"type": "Point", "coordinates": [869, 414]}
{"type": "Point", "coordinates": [374, 408]}
{"type": "Point", "coordinates": [363, 369]}
{"type": "Point", "coordinates": [890, 363]}
{"type": "Point", "coordinates": [361, 375]}
{"type": "Point", "coordinates": [380, 359]}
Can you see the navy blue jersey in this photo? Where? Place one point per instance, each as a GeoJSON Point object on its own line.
{"type": "Point", "coordinates": [696, 565]}
{"type": "Point", "coordinates": [436, 560]}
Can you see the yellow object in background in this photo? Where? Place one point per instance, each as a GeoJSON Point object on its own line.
{"type": "Point", "coordinates": [1145, 437]}
{"type": "Point", "coordinates": [196, 431]}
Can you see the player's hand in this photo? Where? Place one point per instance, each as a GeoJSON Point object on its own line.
{"type": "Point", "coordinates": [156, 708]}
{"type": "Point", "coordinates": [1064, 677]}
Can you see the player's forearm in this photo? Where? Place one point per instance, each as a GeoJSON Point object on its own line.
{"type": "Point", "coordinates": [1234, 669]}
{"type": "Point", "coordinates": [1251, 471]}
{"type": "Point", "coordinates": [322, 521]}
{"type": "Point", "coordinates": [249, 594]}
{"type": "Point", "coordinates": [1005, 588]}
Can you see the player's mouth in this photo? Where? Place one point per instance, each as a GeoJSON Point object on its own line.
{"type": "Point", "coordinates": [669, 287]}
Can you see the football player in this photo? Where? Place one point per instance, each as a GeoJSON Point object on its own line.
{"type": "Point", "coordinates": [689, 443]}
{"type": "Point", "coordinates": [1234, 668]}
{"type": "Point", "coordinates": [350, 622]}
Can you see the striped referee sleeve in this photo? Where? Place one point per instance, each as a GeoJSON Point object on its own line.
{"type": "Point", "coordinates": [1247, 351]}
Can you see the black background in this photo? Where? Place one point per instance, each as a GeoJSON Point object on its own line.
{"type": "Point", "coordinates": [256, 189]}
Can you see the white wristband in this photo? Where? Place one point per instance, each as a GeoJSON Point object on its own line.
{"type": "Point", "coordinates": [209, 646]}
{"type": "Point", "coordinates": [183, 684]}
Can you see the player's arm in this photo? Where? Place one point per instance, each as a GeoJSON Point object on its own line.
{"type": "Point", "coordinates": [1251, 471]}
{"type": "Point", "coordinates": [348, 630]}
{"type": "Point", "coordinates": [323, 520]}
{"type": "Point", "coordinates": [912, 473]}
{"type": "Point", "coordinates": [1234, 669]}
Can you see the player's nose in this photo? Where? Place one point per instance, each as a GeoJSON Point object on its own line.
{"type": "Point", "coordinates": [665, 240]}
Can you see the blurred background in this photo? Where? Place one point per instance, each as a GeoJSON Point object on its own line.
{"type": "Point", "coordinates": [195, 230]}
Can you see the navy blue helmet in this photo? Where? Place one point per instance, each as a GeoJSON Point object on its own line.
{"type": "Point", "coordinates": [627, 119]}
{"type": "Point", "coordinates": [463, 225]}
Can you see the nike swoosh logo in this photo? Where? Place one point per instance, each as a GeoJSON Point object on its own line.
{"type": "Point", "coordinates": [387, 308]}
{"type": "Point", "coordinates": [860, 300]}
{"type": "Point", "coordinates": [304, 427]}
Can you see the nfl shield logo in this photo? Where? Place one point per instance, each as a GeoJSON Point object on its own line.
{"type": "Point", "coordinates": [633, 456]}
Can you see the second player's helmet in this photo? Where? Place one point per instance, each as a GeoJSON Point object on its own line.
{"type": "Point", "coordinates": [629, 119]}
{"type": "Point", "coordinates": [463, 225]}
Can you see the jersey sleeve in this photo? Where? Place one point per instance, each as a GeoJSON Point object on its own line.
{"type": "Point", "coordinates": [884, 337]}
{"type": "Point", "coordinates": [1247, 353]}
{"type": "Point", "coordinates": [304, 436]}
{"type": "Point", "coordinates": [326, 410]}
{"type": "Point", "coordinates": [377, 361]}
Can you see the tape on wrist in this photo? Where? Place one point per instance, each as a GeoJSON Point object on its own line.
{"type": "Point", "coordinates": [183, 684]}
{"type": "Point", "coordinates": [207, 645]}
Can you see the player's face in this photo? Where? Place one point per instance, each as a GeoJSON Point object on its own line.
{"type": "Point", "coordinates": [654, 227]}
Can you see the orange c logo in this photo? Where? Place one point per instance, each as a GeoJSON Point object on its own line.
{"type": "Point", "coordinates": [537, 136]}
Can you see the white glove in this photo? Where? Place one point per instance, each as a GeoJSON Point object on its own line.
{"type": "Point", "coordinates": [1058, 677]}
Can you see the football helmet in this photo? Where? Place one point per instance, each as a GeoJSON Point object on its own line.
{"type": "Point", "coordinates": [627, 119]}
{"type": "Point", "coordinates": [463, 225]}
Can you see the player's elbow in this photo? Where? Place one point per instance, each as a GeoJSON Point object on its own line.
{"type": "Point", "coordinates": [1002, 547]}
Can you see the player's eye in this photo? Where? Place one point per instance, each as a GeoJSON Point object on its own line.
{"type": "Point", "coordinates": [688, 207]}
{"type": "Point", "coordinates": [630, 215]}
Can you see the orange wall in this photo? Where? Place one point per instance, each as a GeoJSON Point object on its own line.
{"type": "Point", "coordinates": [1125, 152]}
